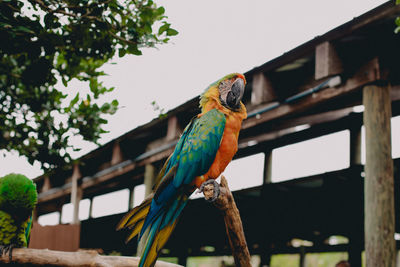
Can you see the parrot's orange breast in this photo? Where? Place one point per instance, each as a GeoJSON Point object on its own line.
{"type": "Point", "coordinates": [226, 151]}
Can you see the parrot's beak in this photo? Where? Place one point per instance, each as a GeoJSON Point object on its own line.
{"type": "Point", "coordinates": [236, 93]}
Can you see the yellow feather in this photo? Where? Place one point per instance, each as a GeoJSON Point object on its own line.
{"type": "Point", "coordinates": [136, 229]}
{"type": "Point", "coordinates": [135, 214]}
{"type": "Point", "coordinates": [159, 242]}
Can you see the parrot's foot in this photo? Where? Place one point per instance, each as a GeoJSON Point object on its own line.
{"type": "Point", "coordinates": [7, 249]}
{"type": "Point", "coordinates": [210, 189]}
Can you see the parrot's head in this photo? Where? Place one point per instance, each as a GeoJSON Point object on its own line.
{"type": "Point", "coordinates": [226, 92]}
{"type": "Point", "coordinates": [18, 195]}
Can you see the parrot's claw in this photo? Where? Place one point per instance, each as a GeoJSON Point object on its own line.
{"type": "Point", "coordinates": [7, 249]}
{"type": "Point", "coordinates": [210, 189]}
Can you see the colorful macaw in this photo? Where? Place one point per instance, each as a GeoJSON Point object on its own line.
{"type": "Point", "coordinates": [18, 198]}
{"type": "Point", "coordinates": [204, 149]}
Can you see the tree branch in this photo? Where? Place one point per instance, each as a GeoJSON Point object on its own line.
{"type": "Point", "coordinates": [233, 224]}
{"type": "Point", "coordinates": [80, 258]}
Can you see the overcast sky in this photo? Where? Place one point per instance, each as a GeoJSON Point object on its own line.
{"type": "Point", "coordinates": [215, 38]}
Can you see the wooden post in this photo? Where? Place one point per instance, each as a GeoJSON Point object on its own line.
{"type": "Point", "coordinates": [131, 203]}
{"type": "Point", "coordinates": [233, 225]}
{"type": "Point", "coordinates": [379, 192]}
{"type": "Point", "coordinates": [355, 251]}
{"type": "Point", "coordinates": [268, 167]}
{"type": "Point", "coordinates": [302, 262]}
{"type": "Point", "coordinates": [173, 128]}
{"type": "Point", "coordinates": [265, 259]}
{"type": "Point", "coordinates": [149, 180]}
{"type": "Point", "coordinates": [76, 194]}
{"type": "Point", "coordinates": [355, 146]}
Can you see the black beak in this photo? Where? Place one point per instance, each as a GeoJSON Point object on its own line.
{"type": "Point", "coordinates": [235, 95]}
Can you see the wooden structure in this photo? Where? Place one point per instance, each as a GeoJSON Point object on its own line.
{"type": "Point", "coordinates": [316, 84]}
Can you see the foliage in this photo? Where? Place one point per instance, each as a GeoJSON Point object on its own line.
{"type": "Point", "coordinates": [46, 42]}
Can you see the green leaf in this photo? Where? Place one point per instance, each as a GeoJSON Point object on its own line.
{"type": "Point", "coordinates": [23, 29]}
{"type": "Point", "coordinates": [134, 50]}
{"type": "Point", "coordinates": [397, 21]}
{"type": "Point", "coordinates": [114, 102]}
{"type": "Point", "coordinates": [172, 32]}
{"type": "Point", "coordinates": [397, 2]}
{"type": "Point", "coordinates": [163, 28]}
{"type": "Point", "coordinates": [74, 101]}
{"type": "Point", "coordinates": [121, 52]}
{"type": "Point", "coordinates": [397, 30]}
{"type": "Point", "coordinates": [160, 10]}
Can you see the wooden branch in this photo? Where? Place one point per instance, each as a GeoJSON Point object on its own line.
{"type": "Point", "coordinates": [233, 224]}
{"type": "Point", "coordinates": [80, 258]}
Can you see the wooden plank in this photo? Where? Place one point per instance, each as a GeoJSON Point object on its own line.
{"type": "Point", "coordinates": [57, 237]}
{"type": "Point", "coordinates": [380, 247]}
{"type": "Point", "coordinates": [327, 61]}
{"type": "Point", "coordinates": [367, 74]}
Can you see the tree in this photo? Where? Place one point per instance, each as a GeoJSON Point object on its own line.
{"type": "Point", "coordinates": [46, 42]}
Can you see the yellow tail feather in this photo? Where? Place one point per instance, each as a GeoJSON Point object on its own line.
{"type": "Point", "coordinates": [136, 214]}
{"type": "Point", "coordinates": [136, 230]}
{"type": "Point", "coordinates": [159, 242]}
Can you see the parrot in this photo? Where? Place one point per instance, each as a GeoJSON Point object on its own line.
{"type": "Point", "coordinates": [18, 198]}
{"type": "Point", "coordinates": [204, 149]}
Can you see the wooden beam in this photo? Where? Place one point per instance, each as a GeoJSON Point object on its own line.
{"type": "Point", "coordinates": [262, 89]}
{"type": "Point", "coordinates": [327, 61]}
{"type": "Point", "coordinates": [380, 249]}
{"type": "Point", "coordinates": [367, 74]}
{"type": "Point", "coordinates": [117, 156]}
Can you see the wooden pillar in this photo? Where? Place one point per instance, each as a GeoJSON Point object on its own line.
{"type": "Point", "coordinates": [76, 194]}
{"type": "Point", "coordinates": [268, 167]}
{"type": "Point", "coordinates": [355, 146]}
{"type": "Point", "coordinates": [90, 208]}
{"type": "Point", "coordinates": [182, 259]}
{"type": "Point", "coordinates": [173, 129]}
{"type": "Point", "coordinates": [265, 259]}
{"type": "Point", "coordinates": [302, 262]}
{"type": "Point", "coordinates": [131, 200]}
{"type": "Point", "coordinates": [149, 179]}
{"type": "Point", "coordinates": [379, 192]}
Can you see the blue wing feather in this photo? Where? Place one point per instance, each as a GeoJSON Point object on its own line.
{"type": "Point", "coordinates": [193, 156]}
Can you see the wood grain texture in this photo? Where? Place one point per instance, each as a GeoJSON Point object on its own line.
{"type": "Point", "coordinates": [41, 257]}
{"type": "Point", "coordinates": [379, 183]}
{"type": "Point", "coordinates": [233, 225]}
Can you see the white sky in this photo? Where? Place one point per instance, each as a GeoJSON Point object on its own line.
{"type": "Point", "coordinates": [215, 38]}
